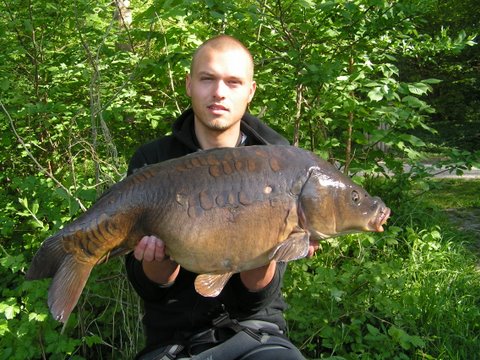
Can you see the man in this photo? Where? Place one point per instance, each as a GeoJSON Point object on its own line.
{"type": "Point", "coordinates": [245, 321]}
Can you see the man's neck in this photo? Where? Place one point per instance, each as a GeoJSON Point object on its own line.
{"type": "Point", "coordinates": [210, 139]}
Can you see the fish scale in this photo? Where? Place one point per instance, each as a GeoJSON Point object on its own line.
{"type": "Point", "coordinates": [219, 212]}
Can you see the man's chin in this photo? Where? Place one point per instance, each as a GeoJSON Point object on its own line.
{"type": "Point", "coordinates": [218, 123]}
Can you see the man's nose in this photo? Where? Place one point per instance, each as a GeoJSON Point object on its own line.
{"type": "Point", "coordinates": [220, 89]}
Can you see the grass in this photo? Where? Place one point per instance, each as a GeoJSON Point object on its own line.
{"type": "Point", "coordinates": [445, 272]}
{"type": "Point", "coordinates": [454, 194]}
{"type": "Point", "coordinates": [410, 293]}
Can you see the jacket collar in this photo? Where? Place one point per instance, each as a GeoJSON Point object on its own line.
{"type": "Point", "coordinates": [255, 131]}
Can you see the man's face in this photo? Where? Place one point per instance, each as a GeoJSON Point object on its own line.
{"type": "Point", "coordinates": [220, 86]}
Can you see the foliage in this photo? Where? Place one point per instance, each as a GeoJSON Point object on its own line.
{"type": "Point", "coordinates": [456, 97]}
{"type": "Point", "coordinates": [79, 92]}
{"type": "Point", "coordinates": [389, 297]}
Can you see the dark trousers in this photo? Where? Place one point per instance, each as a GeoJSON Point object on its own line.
{"type": "Point", "coordinates": [241, 346]}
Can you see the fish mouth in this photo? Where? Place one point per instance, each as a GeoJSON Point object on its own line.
{"type": "Point", "coordinates": [376, 224]}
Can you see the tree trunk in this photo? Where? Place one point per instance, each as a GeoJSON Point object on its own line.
{"type": "Point", "coordinates": [123, 15]}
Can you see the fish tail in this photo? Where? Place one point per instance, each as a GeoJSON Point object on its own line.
{"type": "Point", "coordinates": [48, 259]}
{"type": "Point", "coordinates": [66, 287]}
{"type": "Point", "coordinates": [69, 276]}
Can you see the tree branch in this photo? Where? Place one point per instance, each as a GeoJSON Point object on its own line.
{"type": "Point", "coordinates": [39, 166]}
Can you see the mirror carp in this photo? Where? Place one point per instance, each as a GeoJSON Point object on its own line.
{"type": "Point", "coordinates": [219, 212]}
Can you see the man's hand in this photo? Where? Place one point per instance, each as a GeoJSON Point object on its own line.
{"type": "Point", "coordinates": [257, 279]}
{"type": "Point", "coordinates": [158, 267]}
{"type": "Point", "coordinates": [312, 248]}
{"type": "Point", "coordinates": [150, 248]}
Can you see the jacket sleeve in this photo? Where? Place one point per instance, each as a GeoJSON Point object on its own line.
{"type": "Point", "coordinates": [136, 162]}
{"type": "Point", "coordinates": [246, 302]}
{"type": "Point", "coordinates": [142, 285]}
{"type": "Point", "coordinates": [145, 288]}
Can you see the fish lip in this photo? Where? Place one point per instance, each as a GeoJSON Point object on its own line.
{"type": "Point", "coordinates": [380, 218]}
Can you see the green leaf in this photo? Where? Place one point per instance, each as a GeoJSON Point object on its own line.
{"type": "Point", "coordinates": [35, 207]}
{"type": "Point", "coordinates": [413, 101]}
{"type": "Point", "coordinates": [93, 340]}
{"type": "Point", "coordinates": [376, 94]}
{"type": "Point", "coordinates": [24, 202]}
{"type": "Point", "coordinates": [13, 262]}
{"type": "Point", "coordinates": [9, 308]}
{"type": "Point", "coordinates": [412, 139]}
{"type": "Point", "coordinates": [337, 294]}
{"type": "Point", "coordinates": [373, 330]}
{"type": "Point", "coordinates": [37, 317]}
{"type": "Point", "coordinates": [405, 340]}
{"type": "Point", "coordinates": [419, 88]}
{"type": "Point", "coordinates": [432, 81]}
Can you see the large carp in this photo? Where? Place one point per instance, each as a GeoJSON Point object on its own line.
{"type": "Point", "coordinates": [218, 211]}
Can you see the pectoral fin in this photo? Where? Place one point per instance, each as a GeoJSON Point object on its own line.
{"type": "Point", "coordinates": [295, 247]}
{"type": "Point", "coordinates": [210, 285]}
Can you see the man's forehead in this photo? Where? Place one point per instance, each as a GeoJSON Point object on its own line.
{"type": "Point", "coordinates": [233, 60]}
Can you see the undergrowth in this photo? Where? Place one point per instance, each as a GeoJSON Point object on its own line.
{"type": "Point", "coordinates": [411, 292]}
{"type": "Point", "coordinates": [408, 293]}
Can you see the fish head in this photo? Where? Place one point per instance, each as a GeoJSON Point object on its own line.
{"type": "Point", "coordinates": [331, 204]}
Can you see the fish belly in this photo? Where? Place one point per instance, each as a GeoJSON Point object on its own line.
{"type": "Point", "coordinates": [231, 239]}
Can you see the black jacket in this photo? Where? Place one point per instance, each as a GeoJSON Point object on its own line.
{"type": "Point", "coordinates": [174, 313]}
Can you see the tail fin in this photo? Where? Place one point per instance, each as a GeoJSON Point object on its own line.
{"type": "Point", "coordinates": [48, 259]}
{"type": "Point", "coordinates": [66, 287]}
{"type": "Point", "coordinates": [69, 276]}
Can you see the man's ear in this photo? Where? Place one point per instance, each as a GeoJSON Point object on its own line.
{"type": "Point", "coordinates": [253, 87]}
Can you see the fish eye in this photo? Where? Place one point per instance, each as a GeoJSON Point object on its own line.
{"type": "Point", "coordinates": [355, 196]}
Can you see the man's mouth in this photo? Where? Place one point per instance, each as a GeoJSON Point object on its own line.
{"type": "Point", "coordinates": [217, 107]}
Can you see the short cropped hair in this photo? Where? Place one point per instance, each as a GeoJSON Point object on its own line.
{"type": "Point", "coordinates": [222, 42]}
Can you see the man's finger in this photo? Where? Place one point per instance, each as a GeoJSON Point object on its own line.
{"type": "Point", "coordinates": [140, 248]}
{"type": "Point", "coordinates": [159, 250]}
{"type": "Point", "coordinates": [149, 253]}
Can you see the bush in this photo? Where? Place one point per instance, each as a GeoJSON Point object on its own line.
{"type": "Point", "coordinates": [410, 292]}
